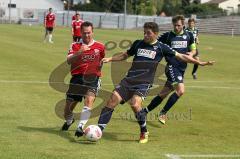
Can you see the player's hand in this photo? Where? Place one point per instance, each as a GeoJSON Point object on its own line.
{"type": "Point", "coordinates": [106, 60]}
{"type": "Point", "coordinates": [207, 63]}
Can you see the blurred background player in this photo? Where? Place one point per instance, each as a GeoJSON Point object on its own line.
{"type": "Point", "coordinates": [192, 28]}
{"type": "Point", "coordinates": [74, 16]}
{"type": "Point", "coordinates": [49, 24]}
{"type": "Point", "coordinates": [183, 42]}
{"type": "Point", "coordinates": [76, 28]}
{"type": "Point", "coordinates": [85, 60]}
{"type": "Point", "coordinates": [147, 53]}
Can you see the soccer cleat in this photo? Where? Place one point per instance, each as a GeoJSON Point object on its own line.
{"type": "Point", "coordinates": [143, 137]}
{"type": "Point", "coordinates": [65, 126]}
{"type": "Point", "coordinates": [51, 42]}
{"type": "Point", "coordinates": [162, 118]}
{"type": "Point", "coordinates": [194, 76]}
{"type": "Point", "coordinates": [79, 132]}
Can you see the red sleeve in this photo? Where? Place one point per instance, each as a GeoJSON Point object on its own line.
{"type": "Point", "coordinates": [72, 49]}
{"type": "Point", "coordinates": [103, 52]}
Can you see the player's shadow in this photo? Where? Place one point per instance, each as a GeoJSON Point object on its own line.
{"type": "Point", "coordinates": [53, 130]}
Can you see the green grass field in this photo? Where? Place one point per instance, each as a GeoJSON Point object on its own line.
{"type": "Point", "coordinates": [204, 121]}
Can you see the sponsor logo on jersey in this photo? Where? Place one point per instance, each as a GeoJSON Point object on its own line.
{"type": "Point", "coordinates": [88, 57]}
{"type": "Point", "coordinates": [179, 44]}
{"type": "Point", "coordinates": [146, 53]}
{"type": "Point", "coordinates": [184, 36]}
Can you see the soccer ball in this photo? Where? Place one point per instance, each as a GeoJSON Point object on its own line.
{"type": "Point", "coordinates": [93, 133]}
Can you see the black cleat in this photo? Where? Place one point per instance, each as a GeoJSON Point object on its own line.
{"type": "Point", "coordinates": [65, 126]}
{"type": "Point", "coordinates": [79, 132]}
{"type": "Point", "coordinates": [194, 76]}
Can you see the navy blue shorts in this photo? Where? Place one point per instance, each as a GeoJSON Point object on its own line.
{"type": "Point", "coordinates": [174, 75]}
{"type": "Point", "coordinates": [126, 90]}
{"type": "Point", "coordinates": [80, 85]}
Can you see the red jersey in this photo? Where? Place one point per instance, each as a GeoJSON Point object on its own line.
{"type": "Point", "coordinates": [49, 20]}
{"type": "Point", "coordinates": [89, 62]}
{"type": "Point", "coordinates": [76, 27]}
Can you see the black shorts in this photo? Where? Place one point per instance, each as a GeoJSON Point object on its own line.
{"type": "Point", "coordinates": [127, 90]}
{"type": "Point", "coordinates": [80, 85]}
{"type": "Point", "coordinates": [174, 75]}
{"type": "Point", "coordinates": [49, 29]}
{"type": "Point", "coordinates": [76, 38]}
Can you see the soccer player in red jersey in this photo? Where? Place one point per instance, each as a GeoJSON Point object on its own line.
{"type": "Point", "coordinates": [85, 60]}
{"type": "Point", "coordinates": [76, 28]}
{"type": "Point", "coordinates": [74, 16]}
{"type": "Point", "coordinates": [49, 24]}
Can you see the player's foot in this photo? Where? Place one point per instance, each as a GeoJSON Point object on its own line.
{"type": "Point", "coordinates": [162, 118]}
{"type": "Point", "coordinates": [51, 42]}
{"type": "Point", "coordinates": [194, 76]}
{"type": "Point", "coordinates": [65, 126]}
{"type": "Point", "coordinates": [143, 137]}
{"type": "Point", "coordinates": [79, 132]}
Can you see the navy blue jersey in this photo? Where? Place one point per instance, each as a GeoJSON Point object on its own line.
{"type": "Point", "coordinates": [181, 43]}
{"type": "Point", "coordinates": [145, 61]}
{"type": "Point", "coordinates": [194, 31]}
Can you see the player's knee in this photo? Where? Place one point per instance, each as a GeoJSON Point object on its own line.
{"type": "Point", "coordinates": [162, 95]}
{"type": "Point", "coordinates": [180, 92]}
{"type": "Point", "coordinates": [112, 102]}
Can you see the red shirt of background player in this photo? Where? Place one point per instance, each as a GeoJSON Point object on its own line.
{"type": "Point", "coordinates": [50, 20]}
{"type": "Point", "coordinates": [76, 27]}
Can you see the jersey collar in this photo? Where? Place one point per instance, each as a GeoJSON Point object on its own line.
{"type": "Point", "coordinates": [90, 44]}
{"type": "Point", "coordinates": [179, 33]}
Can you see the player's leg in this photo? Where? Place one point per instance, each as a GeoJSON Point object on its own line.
{"type": "Point", "coordinates": [195, 66]}
{"type": "Point", "coordinates": [68, 113]}
{"type": "Point", "coordinates": [46, 34]}
{"type": "Point", "coordinates": [171, 101]}
{"type": "Point", "coordinates": [50, 35]}
{"type": "Point", "coordinates": [157, 100]}
{"type": "Point", "coordinates": [85, 113]}
{"type": "Point", "coordinates": [136, 104]}
{"type": "Point", "coordinates": [72, 98]}
{"type": "Point", "coordinates": [107, 111]}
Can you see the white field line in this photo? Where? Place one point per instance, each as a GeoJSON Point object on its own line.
{"type": "Point", "coordinates": [193, 86]}
{"type": "Point", "coordinates": [173, 156]}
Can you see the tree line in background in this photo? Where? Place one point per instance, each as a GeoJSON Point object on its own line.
{"type": "Point", "coordinates": [152, 7]}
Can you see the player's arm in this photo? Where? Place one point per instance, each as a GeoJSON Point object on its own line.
{"type": "Point", "coordinates": [190, 59]}
{"type": "Point", "coordinates": [124, 55]}
{"type": "Point", "coordinates": [118, 57]}
{"type": "Point", "coordinates": [71, 58]}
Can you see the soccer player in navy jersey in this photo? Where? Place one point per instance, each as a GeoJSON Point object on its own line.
{"type": "Point", "coordinates": [147, 53]}
{"type": "Point", "coordinates": [85, 58]}
{"type": "Point", "coordinates": [192, 28]}
{"type": "Point", "coordinates": [183, 42]}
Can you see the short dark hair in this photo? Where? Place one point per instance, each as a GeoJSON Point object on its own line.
{"type": "Point", "coordinates": [77, 14]}
{"type": "Point", "coordinates": [86, 24]}
{"type": "Point", "coordinates": [191, 20]}
{"type": "Point", "coordinates": [151, 25]}
{"type": "Point", "coordinates": [50, 9]}
{"type": "Point", "coordinates": [177, 18]}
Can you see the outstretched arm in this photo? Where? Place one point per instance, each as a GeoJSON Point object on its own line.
{"type": "Point", "coordinates": [118, 57]}
{"type": "Point", "coordinates": [190, 59]}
